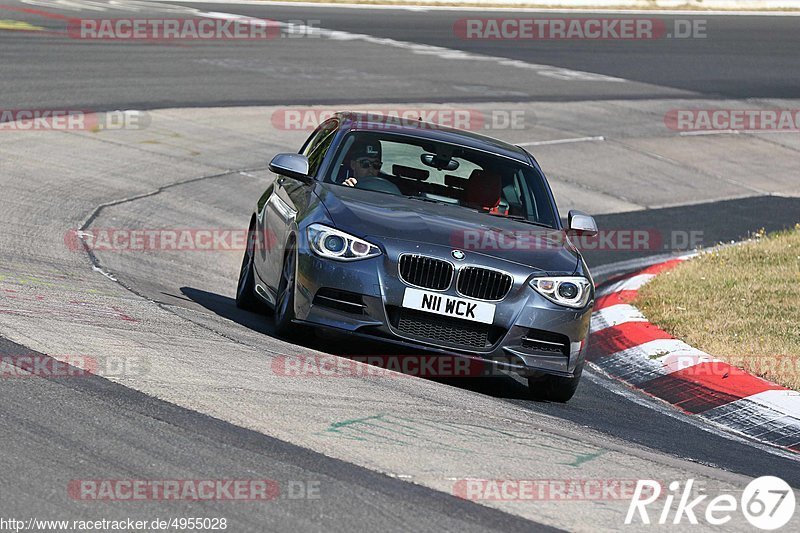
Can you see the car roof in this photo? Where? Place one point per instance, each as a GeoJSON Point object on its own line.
{"type": "Point", "coordinates": [355, 121]}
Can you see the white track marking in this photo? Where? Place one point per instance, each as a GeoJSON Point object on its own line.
{"type": "Point", "coordinates": [427, 49]}
{"type": "Point", "coordinates": [109, 275]}
{"type": "Point", "coordinates": [432, 7]}
{"type": "Point", "coordinates": [784, 401]}
{"type": "Point", "coordinates": [602, 378]}
{"type": "Point", "coordinates": [615, 315]}
{"type": "Point", "coordinates": [547, 71]}
{"type": "Point", "coordinates": [66, 5]}
{"type": "Point", "coordinates": [629, 265]}
{"type": "Point", "coordinates": [136, 5]}
{"type": "Point", "coordinates": [118, 5]}
{"type": "Point", "coordinates": [672, 354]}
{"type": "Point", "coordinates": [563, 141]}
{"type": "Point", "coordinates": [633, 283]}
{"type": "Point", "coordinates": [711, 132]}
{"type": "Point", "coordinates": [682, 356]}
{"type": "Point", "coordinates": [731, 132]}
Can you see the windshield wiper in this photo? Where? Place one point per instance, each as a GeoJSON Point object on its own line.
{"type": "Point", "coordinates": [521, 218]}
{"type": "Point", "coordinates": [425, 199]}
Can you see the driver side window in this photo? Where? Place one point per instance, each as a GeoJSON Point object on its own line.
{"type": "Point", "coordinates": [318, 143]}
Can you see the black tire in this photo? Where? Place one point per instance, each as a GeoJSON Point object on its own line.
{"type": "Point", "coordinates": [245, 290]}
{"type": "Point", "coordinates": [284, 302]}
{"type": "Point", "coordinates": [554, 388]}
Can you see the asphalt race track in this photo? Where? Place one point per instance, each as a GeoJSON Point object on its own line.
{"type": "Point", "coordinates": [187, 386]}
{"type": "Point", "coordinates": [741, 57]}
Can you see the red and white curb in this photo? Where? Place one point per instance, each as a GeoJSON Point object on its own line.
{"type": "Point", "coordinates": [628, 347]}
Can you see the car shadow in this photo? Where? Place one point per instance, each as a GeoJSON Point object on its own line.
{"type": "Point", "coordinates": [500, 386]}
{"type": "Point", "coordinates": [226, 308]}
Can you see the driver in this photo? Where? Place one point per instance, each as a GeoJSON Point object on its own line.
{"type": "Point", "coordinates": [365, 161]}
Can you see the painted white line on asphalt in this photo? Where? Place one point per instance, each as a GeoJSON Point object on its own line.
{"type": "Point", "coordinates": [670, 355]}
{"type": "Point", "coordinates": [784, 401]}
{"type": "Point", "coordinates": [603, 379]}
{"type": "Point", "coordinates": [139, 5]}
{"type": "Point", "coordinates": [633, 283]}
{"type": "Point", "coordinates": [771, 416]}
{"type": "Point", "coordinates": [732, 132]}
{"type": "Point", "coordinates": [712, 132]}
{"type": "Point", "coordinates": [682, 356]}
{"type": "Point", "coordinates": [629, 265]}
{"type": "Point", "coordinates": [485, 9]}
{"type": "Point", "coordinates": [114, 5]}
{"type": "Point", "coordinates": [563, 141]}
{"type": "Point", "coordinates": [427, 49]}
{"type": "Point", "coordinates": [667, 355]}
{"type": "Point", "coordinates": [103, 272]}
{"type": "Point", "coordinates": [615, 315]}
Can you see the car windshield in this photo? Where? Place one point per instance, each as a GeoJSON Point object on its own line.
{"type": "Point", "coordinates": [439, 172]}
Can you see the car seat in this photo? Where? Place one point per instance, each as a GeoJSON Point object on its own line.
{"type": "Point", "coordinates": [483, 192]}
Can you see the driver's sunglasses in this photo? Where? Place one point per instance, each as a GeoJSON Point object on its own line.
{"type": "Point", "coordinates": [366, 163]}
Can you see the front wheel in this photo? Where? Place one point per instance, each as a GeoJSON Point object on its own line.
{"type": "Point", "coordinates": [245, 290]}
{"type": "Point", "coordinates": [554, 388]}
{"type": "Point", "coordinates": [284, 304]}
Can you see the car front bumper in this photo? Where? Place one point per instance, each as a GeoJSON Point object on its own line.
{"type": "Point", "coordinates": [530, 335]}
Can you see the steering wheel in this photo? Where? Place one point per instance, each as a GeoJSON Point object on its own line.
{"type": "Point", "coordinates": [377, 183]}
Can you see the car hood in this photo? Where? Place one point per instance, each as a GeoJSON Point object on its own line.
{"type": "Point", "coordinates": [369, 214]}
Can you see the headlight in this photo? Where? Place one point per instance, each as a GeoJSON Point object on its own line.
{"type": "Point", "coordinates": [569, 291]}
{"type": "Point", "coordinates": [334, 244]}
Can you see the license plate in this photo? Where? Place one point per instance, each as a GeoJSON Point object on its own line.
{"type": "Point", "coordinates": [442, 304]}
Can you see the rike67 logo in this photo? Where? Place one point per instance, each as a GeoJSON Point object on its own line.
{"type": "Point", "coordinates": [767, 503]}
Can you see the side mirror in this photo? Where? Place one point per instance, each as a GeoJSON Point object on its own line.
{"type": "Point", "coordinates": [290, 165]}
{"type": "Point", "coordinates": [581, 223]}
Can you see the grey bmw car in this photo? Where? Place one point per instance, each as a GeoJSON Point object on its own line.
{"type": "Point", "coordinates": [426, 237]}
